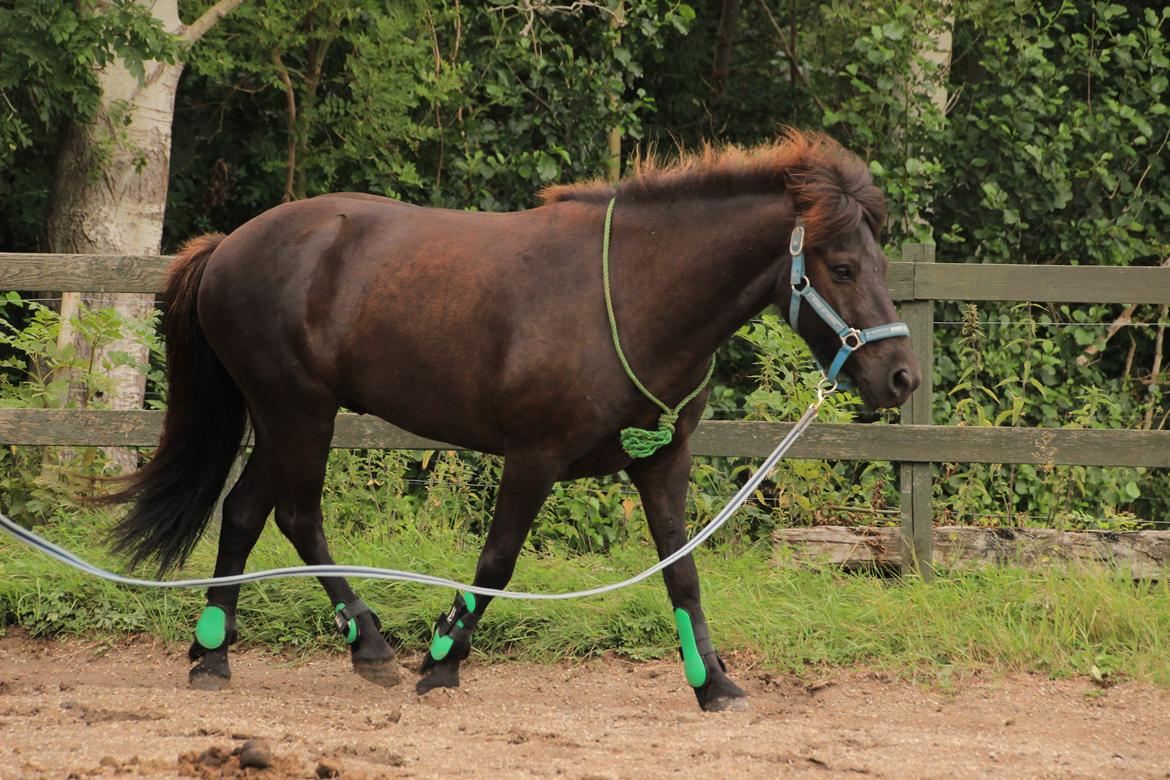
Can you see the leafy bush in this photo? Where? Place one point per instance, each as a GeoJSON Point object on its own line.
{"type": "Point", "coordinates": [37, 484]}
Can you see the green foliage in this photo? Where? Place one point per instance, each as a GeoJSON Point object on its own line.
{"type": "Point", "coordinates": [48, 76]}
{"type": "Point", "coordinates": [882, 94]}
{"type": "Point", "coordinates": [1033, 379]}
{"type": "Point", "coordinates": [39, 368]}
{"type": "Point", "coordinates": [36, 372]}
{"type": "Point", "coordinates": [1058, 138]}
{"type": "Point", "coordinates": [440, 103]}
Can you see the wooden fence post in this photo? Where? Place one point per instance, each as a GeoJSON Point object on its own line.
{"type": "Point", "coordinates": [915, 478]}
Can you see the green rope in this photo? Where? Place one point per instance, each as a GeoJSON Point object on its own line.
{"type": "Point", "coordinates": [640, 442]}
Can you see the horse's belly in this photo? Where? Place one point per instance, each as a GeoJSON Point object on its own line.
{"type": "Point", "coordinates": [432, 416]}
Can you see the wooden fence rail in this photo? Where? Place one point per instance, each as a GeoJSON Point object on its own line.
{"type": "Point", "coordinates": [916, 444]}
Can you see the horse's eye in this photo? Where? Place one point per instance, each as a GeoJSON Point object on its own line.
{"type": "Point", "coordinates": [842, 273]}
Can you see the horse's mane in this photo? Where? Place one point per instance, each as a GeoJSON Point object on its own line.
{"type": "Point", "coordinates": [832, 187]}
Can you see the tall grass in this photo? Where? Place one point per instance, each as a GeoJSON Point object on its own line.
{"type": "Point", "coordinates": [1055, 621]}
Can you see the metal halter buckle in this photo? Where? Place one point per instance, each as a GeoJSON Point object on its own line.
{"type": "Point", "coordinates": [854, 334]}
{"type": "Point", "coordinates": [796, 243]}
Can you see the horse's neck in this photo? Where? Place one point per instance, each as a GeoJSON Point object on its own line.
{"type": "Point", "coordinates": [695, 271]}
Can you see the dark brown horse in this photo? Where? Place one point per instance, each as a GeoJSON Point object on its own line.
{"type": "Point", "coordinates": [490, 331]}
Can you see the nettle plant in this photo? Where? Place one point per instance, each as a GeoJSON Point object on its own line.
{"type": "Point", "coordinates": [40, 370]}
{"type": "Point", "coordinates": [1031, 379]}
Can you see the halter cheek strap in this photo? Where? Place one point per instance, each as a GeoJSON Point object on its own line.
{"type": "Point", "coordinates": [852, 339]}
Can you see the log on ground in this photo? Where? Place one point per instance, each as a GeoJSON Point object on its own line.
{"type": "Point", "coordinates": [1141, 554]}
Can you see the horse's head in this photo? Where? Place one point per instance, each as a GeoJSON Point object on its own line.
{"type": "Point", "coordinates": [835, 238]}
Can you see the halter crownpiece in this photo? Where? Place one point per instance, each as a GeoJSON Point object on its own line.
{"type": "Point", "coordinates": [852, 339]}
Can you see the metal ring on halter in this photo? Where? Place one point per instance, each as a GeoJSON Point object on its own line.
{"type": "Point", "coordinates": [802, 285]}
{"type": "Point", "coordinates": [855, 334]}
{"type": "Point", "coordinates": [825, 388]}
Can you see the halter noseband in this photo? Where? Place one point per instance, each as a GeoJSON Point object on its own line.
{"type": "Point", "coordinates": [852, 339]}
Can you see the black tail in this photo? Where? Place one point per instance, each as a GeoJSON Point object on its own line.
{"type": "Point", "coordinates": [175, 493]}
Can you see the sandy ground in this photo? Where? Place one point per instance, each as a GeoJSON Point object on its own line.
{"type": "Point", "coordinates": [71, 709]}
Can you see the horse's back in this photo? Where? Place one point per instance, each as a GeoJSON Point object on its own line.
{"type": "Point", "coordinates": [409, 313]}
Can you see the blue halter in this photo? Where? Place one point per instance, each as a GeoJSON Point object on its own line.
{"type": "Point", "coordinates": [852, 339]}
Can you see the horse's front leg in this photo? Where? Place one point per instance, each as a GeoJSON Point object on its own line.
{"type": "Point", "coordinates": [662, 483]}
{"type": "Point", "coordinates": [524, 486]}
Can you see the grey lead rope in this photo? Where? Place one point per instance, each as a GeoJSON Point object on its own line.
{"type": "Point", "coordinates": [369, 572]}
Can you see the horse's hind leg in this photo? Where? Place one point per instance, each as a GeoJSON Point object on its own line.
{"type": "Point", "coordinates": [304, 448]}
{"type": "Point", "coordinates": [524, 486]}
{"type": "Point", "coordinates": [662, 483]}
{"type": "Point", "coordinates": [244, 511]}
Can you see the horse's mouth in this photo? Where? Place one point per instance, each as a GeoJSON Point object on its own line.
{"type": "Point", "coordinates": [873, 403]}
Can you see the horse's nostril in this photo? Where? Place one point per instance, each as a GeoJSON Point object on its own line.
{"type": "Point", "coordinates": [902, 382]}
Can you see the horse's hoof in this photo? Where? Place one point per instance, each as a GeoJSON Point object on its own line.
{"type": "Point", "coordinates": [720, 694]}
{"type": "Point", "coordinates": [382, 672]}
{"type": "Point", "coordinates": [726, 704]}
{"type": "Point", "coordinates": [439, 676]}
{"type": "Point", "coordinates": [212, 672]}
{"type": "Point", "coordinates": [203, 680]}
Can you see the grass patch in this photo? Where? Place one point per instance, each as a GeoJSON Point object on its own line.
{"type": "Point", "coordinates": [1055, 621]}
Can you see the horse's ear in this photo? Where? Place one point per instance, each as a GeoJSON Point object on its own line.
{"type": "Point", "coordinates": [804, 184]}
{"type": "Point", "coordinates": [794, 179]}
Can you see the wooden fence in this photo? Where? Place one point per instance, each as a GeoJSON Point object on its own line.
{"type": "Point", "coordinates": [916, 282]}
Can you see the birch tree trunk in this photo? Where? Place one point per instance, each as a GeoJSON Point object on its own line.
{"type": "Point", "coordinates": [613, 140]}
{"type": "Point", "coordinates": [938, 53]}
{"type": "Point", "coordinates": [109, 197]}
{"type": "Point", "coordinates": [931, 81]}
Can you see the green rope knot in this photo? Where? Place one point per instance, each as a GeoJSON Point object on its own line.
{"type": "Point", "coordinates": [642, 443]}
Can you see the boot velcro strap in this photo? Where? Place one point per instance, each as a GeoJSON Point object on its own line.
{"type": "Point", "coordinates": [464, 625]}
{"type": "Point", "coordinates": [455, 626]}
{"type": "Point", "coordinates": [345, 613]}
{"type": "Point", "coordinates": [358, 607]}
{"type": "Point", "coordinates": [229, 626]}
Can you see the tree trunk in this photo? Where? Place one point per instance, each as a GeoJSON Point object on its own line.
{"type": "Point", "coordinates": [938, 53]}
{"type": "Point", "coordinates": [936, 50]}
{"type": "Point", "coordinates": [613, 140]}
{"type": "Point", "coordinates": [109, 197]}
{"type": "Point", "coordinates": [721, 71]}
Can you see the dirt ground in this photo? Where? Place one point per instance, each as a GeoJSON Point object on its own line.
{"type": "Point", "coordinates": [77, 710]}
